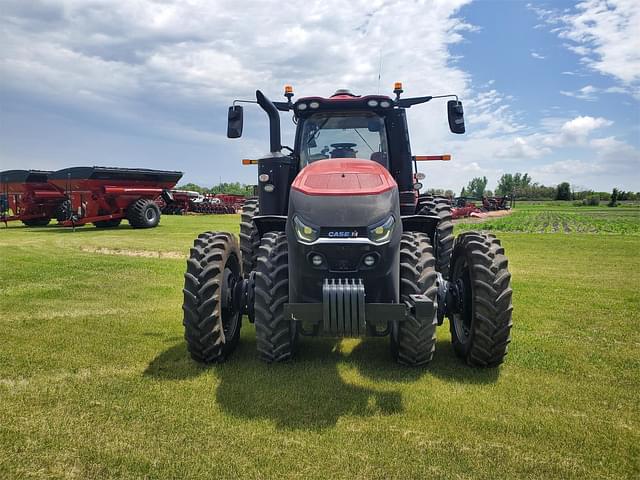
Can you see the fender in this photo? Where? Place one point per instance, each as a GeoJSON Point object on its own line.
{"type": "Point", "coordinates": [270, 223]}
{"type": "Point", "coordinates": [421, 223]}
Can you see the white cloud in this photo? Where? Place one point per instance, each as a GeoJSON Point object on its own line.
{"type": "Point", "coordinates": [538, 56]}
{"type": "Point", "coordinates": [171, 69]}
{"type": "Point", "coordinates": [605, 34]}
{"type": "Point", "coordinates": [585, 93]}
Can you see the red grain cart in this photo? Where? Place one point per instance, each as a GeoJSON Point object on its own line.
{"type": "Point", "coordinates": [104, 196]}
{"type": "Point", "coordinates": [25, 195]}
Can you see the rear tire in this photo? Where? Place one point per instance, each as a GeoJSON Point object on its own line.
{"type": "Point", "coordinates": [37, 222]}
{"type": "Point", "coordinates": [443, 241]}
{"type": "Point", "coordinates": [143, 213]}
{"type": "Point", "coordinates": [480, 330]}
{"type": "Point", "coordinates": [249, 237]}
{"type": "Point", "coordinates": [211, 321]}
{"type": "Point", "coordinates": [413, 340]}
{"type": "Point", "coordinates": [108, 223]}
{"type": "Point", "coordinates": [276, 336]}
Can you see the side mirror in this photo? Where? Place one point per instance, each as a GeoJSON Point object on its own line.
{"type": "Point", "coordinates": [235, 122]}
{"type": "Point", "coordinates": [455, 112]}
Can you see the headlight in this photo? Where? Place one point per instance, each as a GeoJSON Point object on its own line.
{"type": "Point", "coordinates": [381, 233]}
{"type": "Point", "coordinates": [304, 232]}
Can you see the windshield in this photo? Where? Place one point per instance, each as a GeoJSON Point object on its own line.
{"type": "Point", "coordinates": [336, 135]}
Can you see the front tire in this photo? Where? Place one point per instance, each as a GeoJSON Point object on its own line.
{"type": "Point", "coordinates": [212, 320]}
{"type": "Point", "coordinates": [143, 213]}
{"type": "Point", "coordinates": [276, 336]}
{"type": "Point", "coordinates": [481, 324]}
{"type": "Point", "coordinates": [413, 341]}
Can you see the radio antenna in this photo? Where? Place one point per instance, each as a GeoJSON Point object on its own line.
{"type": "Point", "coordinates": [379, 69]}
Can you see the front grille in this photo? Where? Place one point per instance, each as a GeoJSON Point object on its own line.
{"type": "Point", "coordinates": [343, 257]}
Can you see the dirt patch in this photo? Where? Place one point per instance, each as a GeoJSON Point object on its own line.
{"type": "Point", "coordinates": [483, 217]}
{"type": "Point", "coordinates": [133, 253]}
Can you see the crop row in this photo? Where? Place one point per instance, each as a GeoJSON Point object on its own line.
{"type": "Point", "coordinates": [564, 222]}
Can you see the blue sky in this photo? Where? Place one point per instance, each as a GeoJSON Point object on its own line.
{"type": "Point", "coordinates": [550, 88]}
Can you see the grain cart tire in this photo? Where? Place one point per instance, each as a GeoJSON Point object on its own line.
{"type": "Point", "coordinates": [143, 213]}
{"type": "Point", "coordinates": [212, 320]}
{"type": "Point", "coordinates": [413, 340]}
{"type": "Point", "coordinates": [108, 223]}
{"type": "Point", "coordinates": [444, 238]}
{"type": "Point", "coordinates": [37, 222]}
{"type": "Point", "coordinates": [249, 236]}
{"type": "Point", "coordinates": [276, 335]}
{"type": "Point", "coordinates": [481, 327]}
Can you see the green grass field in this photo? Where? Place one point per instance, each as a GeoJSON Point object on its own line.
{"type": "Point", "coordinates": [95, 380]}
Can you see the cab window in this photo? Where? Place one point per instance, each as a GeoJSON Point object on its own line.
{"type": "Point", "coordinates": [337, 135]}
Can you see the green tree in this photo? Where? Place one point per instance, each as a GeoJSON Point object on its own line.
{"type": "Point", "coordinates": [613, 202]}
{"type": "Point", "coordinates": [563, 192]}
{"type": "Point", "coordinates": [193, 187]}
{"type": "Point", "coordinates": [463, 192]}
{"type": "Point", "coordinates": [477, 186]}
{"type": "Point", "coordinates": [510, 183]}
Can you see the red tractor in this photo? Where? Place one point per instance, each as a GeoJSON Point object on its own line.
{"type": "Point", "coordinates": [339, 243]}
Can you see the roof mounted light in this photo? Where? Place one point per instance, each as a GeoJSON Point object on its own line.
{"type": "Point", "coordinates": [314, 105]}
{"type": "Point", "coordinates": [302, 106]}
{"type": "Point", "coordinates": [385, 104]}
{"type": "Point", "coordinates": [373, 103]}
{"type": "Point", "coordinates": [288, 93]}
{"type": "Point", "coordinates": [397, 89]}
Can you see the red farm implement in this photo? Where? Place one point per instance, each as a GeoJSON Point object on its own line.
{"type": "Point", "coordinates": [104, 196]}
{"type": "Point", "coordinates": [220, 203]}
{"type": "Point", "coordinates": [179, 202]}
{"type": "Point", "coordinates": [25, 195]}
{"type": "Point", "coordinates": [184, 201]}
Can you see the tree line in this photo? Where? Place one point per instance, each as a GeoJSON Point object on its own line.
{"type": "Point", "coordinates": [523, 187]}
{"type": "Point", "coordinates": [233, 188]}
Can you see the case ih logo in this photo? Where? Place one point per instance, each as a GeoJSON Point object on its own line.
{"type": "Point", "coordinates": [342, 234]}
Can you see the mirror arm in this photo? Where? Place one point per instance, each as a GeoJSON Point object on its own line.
{"type": "Point", "coordinates": [243, 101]}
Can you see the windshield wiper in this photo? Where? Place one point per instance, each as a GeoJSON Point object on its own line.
{"type": "Point", "coordinates": [356, 130]}
{"type": "Point", "coordinates": [316, 134]}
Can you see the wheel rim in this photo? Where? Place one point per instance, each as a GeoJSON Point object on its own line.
{"type": "Point", "coordinates": [230, 314]}
{"type": "Point", "coordinates": [462, 319]}
{"type": "Point", "coordinates": [150, 214]}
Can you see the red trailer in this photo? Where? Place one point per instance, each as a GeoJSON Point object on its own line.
{"type": "Point", "coordinates": [104, 195]}
{"type": "Point", "coordinates": [26, 195]}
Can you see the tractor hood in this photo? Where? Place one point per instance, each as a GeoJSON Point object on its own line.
{"type": "Point", "coordinates": [344, 176]}
{"type": "Point", "coordinates": [344, 192]}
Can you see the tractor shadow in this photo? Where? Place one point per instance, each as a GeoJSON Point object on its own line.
{"type": "Point", "coordinates": [323, 384]}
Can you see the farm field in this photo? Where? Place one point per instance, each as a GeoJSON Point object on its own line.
{"type": "Point", "coordinates": [95, 380]}
{"type": "Point", "coordinates": [538, 217]}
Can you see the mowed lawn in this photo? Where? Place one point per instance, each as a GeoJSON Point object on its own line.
{"type": "Point", "coordinates": [95, 380]}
